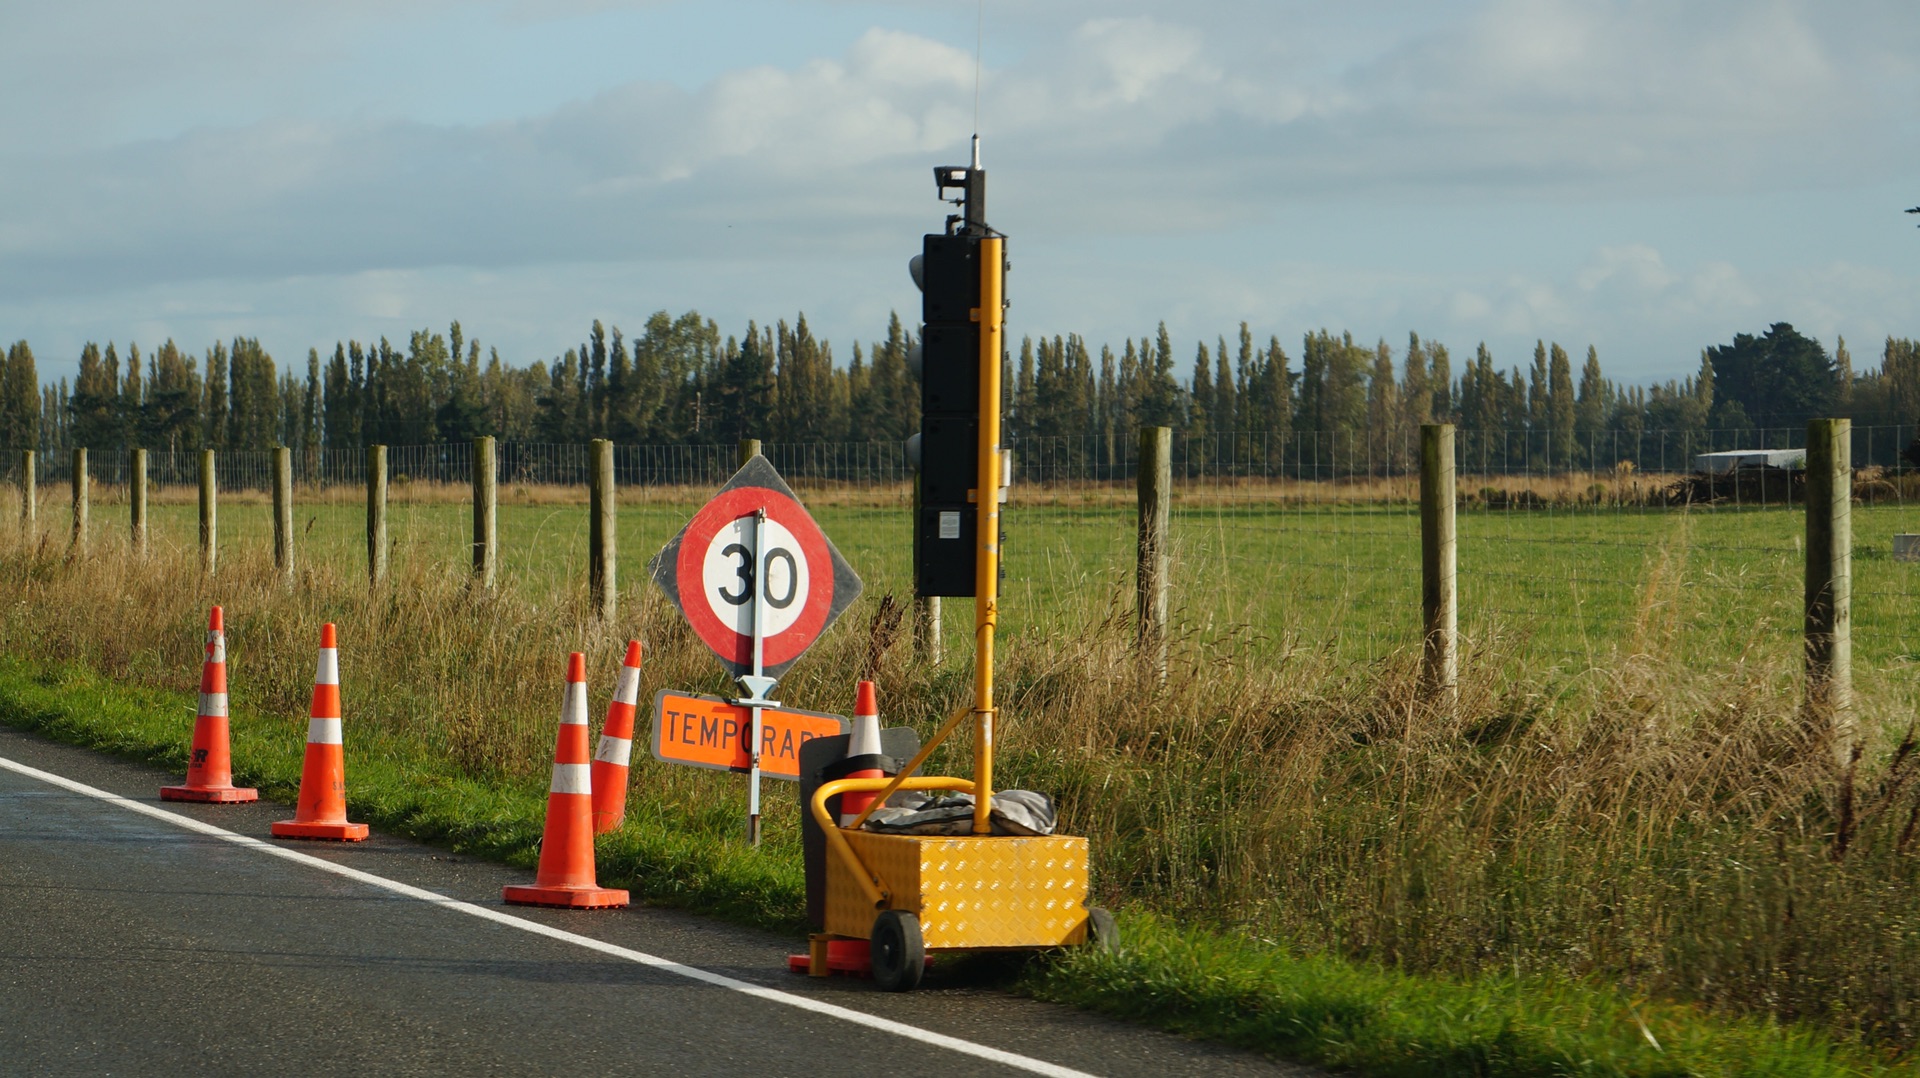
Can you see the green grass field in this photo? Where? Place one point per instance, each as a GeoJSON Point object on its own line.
{"type": "Point", "coordinates": [1544, 588]}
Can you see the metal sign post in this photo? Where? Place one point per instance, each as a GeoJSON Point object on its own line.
{"type": "Point", "coordinates": [756, 683]}
{"type": "Point", "coordinates": [720, 562]}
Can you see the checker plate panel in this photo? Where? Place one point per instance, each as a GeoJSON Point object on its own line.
{"type": "Point", "coordinates": [970, 891]}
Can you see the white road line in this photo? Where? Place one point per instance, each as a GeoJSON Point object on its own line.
{"type": "Point", "coordinates": [771, 995]}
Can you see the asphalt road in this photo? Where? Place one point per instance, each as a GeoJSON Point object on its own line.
{"type": "Point", "coordinates": [130, 944]}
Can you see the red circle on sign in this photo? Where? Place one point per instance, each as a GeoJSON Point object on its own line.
{"type": "Point", "coordinates": [723, 510]}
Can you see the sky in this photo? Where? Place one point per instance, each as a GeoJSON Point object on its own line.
{"type": "Point", "coordinates": [1642, 176]}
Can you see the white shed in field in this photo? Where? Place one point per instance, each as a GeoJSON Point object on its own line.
{"type": "Point", "coordinates": [1750, 458]}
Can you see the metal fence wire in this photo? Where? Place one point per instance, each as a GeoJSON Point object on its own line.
{"type": "Point", "coordinates": [1572, 552]}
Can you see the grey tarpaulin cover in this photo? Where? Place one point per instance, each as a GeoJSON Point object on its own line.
{"type": "Point", "coordinates": [1014, 812]}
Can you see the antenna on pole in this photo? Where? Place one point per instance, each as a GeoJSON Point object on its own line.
{"type": "Point", "coordinates": [969, 180]}
{"type": "Point", "coordinates": [979, 42]}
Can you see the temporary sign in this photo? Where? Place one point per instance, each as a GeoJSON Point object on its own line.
{"type": "Point", "coordinates": [711, 571]}
{"type": "Point", "coordinates": [707, 731]}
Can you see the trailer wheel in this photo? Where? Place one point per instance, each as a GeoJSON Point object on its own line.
{"type": "Point", "coordinates": [898, 954]}
{"type": "Point", "coordinates": [1102, 933]}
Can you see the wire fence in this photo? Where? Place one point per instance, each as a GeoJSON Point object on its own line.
{"type": "Point", "coordinates": [1303, 544]}
{"type": "Point", "coordinates": [1651, 554]}
{"type": "Point", "coordinates": [450, 464]}
{"type": "Point", "coordinates": [1300, 456]}
{"type": "Point", "coordinates": [1309, 544]}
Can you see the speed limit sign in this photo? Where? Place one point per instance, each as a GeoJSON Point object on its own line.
{"type": "Point", "coordinates": [714, 573]}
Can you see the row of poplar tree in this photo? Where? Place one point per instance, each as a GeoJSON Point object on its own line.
{"type": "Point", "coordinates": [1340, 405]}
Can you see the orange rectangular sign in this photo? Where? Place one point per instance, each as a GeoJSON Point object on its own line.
{"type": "Point", "coordinates": [708, 731]}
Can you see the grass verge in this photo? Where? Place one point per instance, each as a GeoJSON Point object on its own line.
{"type": "Point", "coordinates": [1216, 986]}
{"type": "Point", "coordinates": [412, 793]}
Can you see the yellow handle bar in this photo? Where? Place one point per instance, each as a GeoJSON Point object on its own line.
{"type": "Point", "coordinates": [869, 883]}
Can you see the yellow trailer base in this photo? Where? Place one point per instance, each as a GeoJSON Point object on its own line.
{"type": "Point", "coordinates": [969, 891]}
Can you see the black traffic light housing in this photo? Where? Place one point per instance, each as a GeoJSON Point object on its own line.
{"type": "Point", "coordinates": [948, 449]}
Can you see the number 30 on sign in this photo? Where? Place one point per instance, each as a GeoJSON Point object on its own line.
{"type": "Point", "coordinates": [711, 572]}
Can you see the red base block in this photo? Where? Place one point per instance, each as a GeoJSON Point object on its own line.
{"type": "Point", "coordinates": [224, 795]}
{"type": "Point", "coordinates": [572, 898]}
{"type": "Point", "coordinates": [337, 832]}
{"type": "Point", "coordinates": [852, 958]}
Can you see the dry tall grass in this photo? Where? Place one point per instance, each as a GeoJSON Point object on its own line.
{"type": "Point", "coordinates": [1673, 829]}
{"type": "Point", "coordinates": [1677, 832]}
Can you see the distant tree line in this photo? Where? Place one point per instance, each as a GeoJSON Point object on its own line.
{"type": "Point", "coordinates": [1343, 407]}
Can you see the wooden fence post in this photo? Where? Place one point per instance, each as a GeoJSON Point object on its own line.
{"type": "Point", "coordinates": [486, 491]}
{"type": "Point", "coordinates": [1439, 604]}
{"type": "Point", "coordinates": [209, 546]}
{"type": "Point", "coordinates": [29, 487]}
{"type": "Point", "coordinates": [602, 516]}
{"type": "Point", "coordinates": [1156, 505]}
{"type": "Point", "coordinates": [137, 500]}
{"type": "Point", "coordinates": [927, 645]}
{"type": "Point", "coordinates": [80, 499]}
{"type": "Point", "coordinates": [376, 515]}
{"type": "Point", "coordinates": [1829, 586]}
{"type": "Point", "coordinates": [749, 449]}
{"type": "Point", "coordinates": [283, 511]}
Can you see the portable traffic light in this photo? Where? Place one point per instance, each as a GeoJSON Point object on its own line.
{"type": "Point", "coordinates": [959, 342]}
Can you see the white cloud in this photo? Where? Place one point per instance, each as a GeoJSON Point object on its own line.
{"type": "Point", "coordinates": [1469, 307]}
{"type": "Point", "coordinates": [1634, 266]}
{"type": "Point", "coordinates": [1544, 95]}
{"type": "Point", "coordinates": [1137, 56]}
{"type": "Point", "coordinates": [1206, 163]}
{"type": "Point", "coordinates": [1127, 123]}
{"type": "Point", "coordinates": [894, 93]}
{"type": "Point", "coordinates": [1720, 287]}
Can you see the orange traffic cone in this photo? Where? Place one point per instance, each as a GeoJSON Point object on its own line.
{"type": "Point", "coordinates": [864, 742]}
{"type": "Point", "coordinates": [322, 809]}
{"type": "Point", "coordinates": [852, 956]}
{"type": "Point", "coordinates": [565, 877]}
{"type": "Point", "coordinates": [210, 768]}
{"type": "Point", "coordinates": [615, 750]}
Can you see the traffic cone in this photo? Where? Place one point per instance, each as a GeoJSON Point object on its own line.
{"type": "Point", "coordinates": [210, 768]}
{"type": "Point", "coordinates": [322, 809]}
{"type": "Point", "coordinates": [825, 955]}
{"type": "Point", "coordinates": [612, 755]}
{"type": "Point", "coordinates": [864, 742]}
{"type": "Point", "coordinates": [565, 877]}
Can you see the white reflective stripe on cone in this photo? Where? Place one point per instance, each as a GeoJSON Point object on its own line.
{"type": "Point", "coordinates": [627, 689]}
{"type": "Point", "coordinates": [323, 731]}
{"type": "Point", "coordinates": [614, 750]}
{"type": "Point", "coordinates": [328, 671]}
{"type": "Point", "coordinates": [216, 648]}
{"type": "Point", "coordinates": [213, 704]}
{"type": "Point", "coordinates": [573, 706]}
{"type": "Point", "coordinates": [571, 779]}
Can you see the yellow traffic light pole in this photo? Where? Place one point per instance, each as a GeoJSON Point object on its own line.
{"type": "Point", "coordinates": [991, 315]}
{"type": "Point", "coordinates": [986, 580]}
{"type": "Point", "coordinates": [909, 895]}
